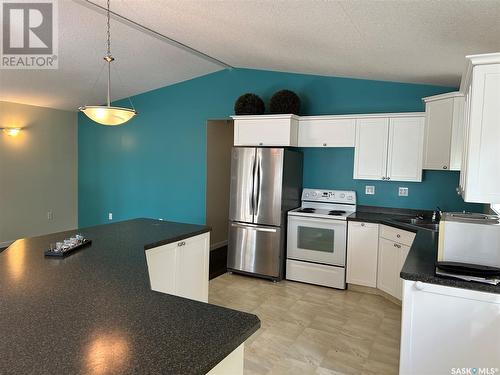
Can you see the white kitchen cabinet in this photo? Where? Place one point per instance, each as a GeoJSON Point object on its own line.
{"type": "Point", "coordinates": [266, 130]}
{"type": "Point", "coordinates": [391, 257]}
{"type": "Point", "coordinates": [370, 154]}
{"type": "Point", "coordinates": [181, 268]}
{"type": "Point", "coordinates": [389, 148]}
{"type": "Point", "coordinates": [404, 156]}
{"type": "Point", "coordinates": [362, 253]}
{"type": "Point", "coordinates": [443, 140]}
{"type": "Point", "coordinates": [445, 328]}
{"type": "Point", "coordinates": [327, 131]}
{"type": "Point", "coordinates": [480, 177]}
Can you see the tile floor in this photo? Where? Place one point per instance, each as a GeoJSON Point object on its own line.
{"type": "Point", "coordinates": [309, 329]}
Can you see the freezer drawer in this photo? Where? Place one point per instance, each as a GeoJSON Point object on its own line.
{"type": "Point", "coordinates": [254, 249]}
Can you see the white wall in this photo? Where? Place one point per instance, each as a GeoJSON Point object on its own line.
{"type": "Point", "coordinates": [38, 171]}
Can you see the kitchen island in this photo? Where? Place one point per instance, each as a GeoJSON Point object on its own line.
{"type": "Point", "coordinates": [94, 311]}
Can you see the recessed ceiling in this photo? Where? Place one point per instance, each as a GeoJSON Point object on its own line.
{"type": "Point", "coordinates": [407, 41]}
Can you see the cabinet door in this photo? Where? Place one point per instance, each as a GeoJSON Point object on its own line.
{"type": "Point", "coordinates": [161, 262]}
{"type": "Point", "coordinates": [402, 254]}
{"type": "Point", "coordinates": [266, 131]}
{"type": "Point", "coordinates": [438, 130]}
{"type": "Point", "coordinates": [457, 134]}
{"type": "Point", "coordinates": [191, 280]}
{"type": "Point", "coordinates": [370, 154]}
{"type": "Point", "coordinates": [328, 132]}
{"type": "Point", "coordinates": [404, 160]}
{"type": "Point", "coordinates": [483, 156]}
{"type": "Point", "coordinates": [388, 261]}
{"type": "Point", "coordinates": [362, 253]}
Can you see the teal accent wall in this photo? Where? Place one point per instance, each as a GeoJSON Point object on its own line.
{"type": "Point", "coordinates": [154, 166]}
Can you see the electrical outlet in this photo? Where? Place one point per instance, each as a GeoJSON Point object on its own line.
{"type": "Point", "coordinates": [369, 190]}
{"type": "Point", "coordinates": [110, 216]}
{"type": "Point", "coordinates": [403, 191]}
{"type": "Point", "coordinates": [50, 215]}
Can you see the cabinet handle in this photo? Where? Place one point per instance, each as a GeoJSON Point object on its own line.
{"type": "Point", "coordinates": [324, 144]}
{"type": "Point", "coordinates": [445, 167]}
{"type": "Point", "coordinates": [398, 235]}
{"type": "Point", "coordinates": [397, 245]}
{"type": "Point", "coordinates": [181, 243]}
{"type": "Point", "coordinates": [260, 143]}
{"type": "Point", "coordinates": [383, 178]}
{"type": "Point", "coordinates": [388, 178]}
{"type": "Point", "coordinates": [362, 224]}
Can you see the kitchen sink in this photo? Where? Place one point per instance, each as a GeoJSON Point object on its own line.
{"type": "Point", "coordinates": [422, 223]}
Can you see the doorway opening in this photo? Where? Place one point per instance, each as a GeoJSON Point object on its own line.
{"type": "Point", "coordinates": [219, 144]}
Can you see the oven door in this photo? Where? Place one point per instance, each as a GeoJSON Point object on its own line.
{"type": "Point", "coordinates": [317, 240]}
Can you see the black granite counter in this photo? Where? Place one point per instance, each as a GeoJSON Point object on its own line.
{"type": "Point", "coordinates": [420, 263]}
{"type": "Point", "coordinates": [94, 311]}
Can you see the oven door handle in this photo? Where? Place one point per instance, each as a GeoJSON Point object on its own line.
{"type": "Point", "coordinates": [310, 220]}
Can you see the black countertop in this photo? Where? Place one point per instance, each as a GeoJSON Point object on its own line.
{"type": "Point", "coordinates": [420, 263]}
{"type": "Point", "coordinates": [94, 311]}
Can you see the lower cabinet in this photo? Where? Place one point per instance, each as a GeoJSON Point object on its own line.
{"type": "Point", "coordinates": [391, 258]}
{"type": "Point", "coordinates": [447, 330]}
{"type": "Point", "coordinates": [362, 253]}
{"type": "Point", "coordinates": [181, 268]}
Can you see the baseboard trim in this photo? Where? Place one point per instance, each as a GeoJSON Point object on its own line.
{"type": "Point", "coordinates": [370, 290]}
{"type": "Point", "coordinates": [217, 245]}
{"type": "Point", "coordinates": [6, 244]}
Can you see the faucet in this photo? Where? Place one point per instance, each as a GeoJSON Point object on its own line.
{"type": "Point", "coordinates": [436, 214]}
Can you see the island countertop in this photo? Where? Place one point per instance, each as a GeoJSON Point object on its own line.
{"type": "Point", "coordinates": [94, 311]}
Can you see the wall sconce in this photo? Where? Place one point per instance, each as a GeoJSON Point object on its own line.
{"type": "Point", "coordinates": [12, 132]}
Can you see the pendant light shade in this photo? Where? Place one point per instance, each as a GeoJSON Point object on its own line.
{"type": "Point", "coordinates": [108, 115]}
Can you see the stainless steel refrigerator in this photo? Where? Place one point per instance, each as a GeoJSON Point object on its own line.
{"type": "Point", "coordinates": [265, 184]}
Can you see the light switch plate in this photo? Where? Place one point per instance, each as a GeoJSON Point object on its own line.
{"type": "Point", "coordinates": [369, 190]}
{"type": "Point", "coordinates": [403, 191]}
{"type": "Point", "coordinates": [110, 216]}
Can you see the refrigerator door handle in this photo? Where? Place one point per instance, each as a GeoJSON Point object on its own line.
{"type": "Point", "coordinates": [258, 161]}
{"type": "Point", "coordinates": [255, 186]}
{"type": "Point", "coordinates": [253, 203]}
{"type": "Point", "coordinates": [254, 227]}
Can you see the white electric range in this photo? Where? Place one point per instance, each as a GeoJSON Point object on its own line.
{"type": "Point", "coordinates": [317, 237]}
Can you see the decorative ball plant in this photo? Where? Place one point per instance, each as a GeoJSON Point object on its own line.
{"type": "Point", "coordinates": [249, 104]}
{"type": "Point", "coordinates": [284, 101]}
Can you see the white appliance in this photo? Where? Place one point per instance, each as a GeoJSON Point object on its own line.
{"type": "Point", "coordinates": [469, 242]}
{"type": "Point", "coordinates": [317, 237]}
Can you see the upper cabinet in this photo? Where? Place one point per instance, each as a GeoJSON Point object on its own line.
{"type": "Point", "coordinates": [266, 130]}
{"type": "Point", "coordinates": [443, 141]}
{"type": "Point", "coordinates": [326, 131]}
{"type": "Point", "coordinates": [479, 175]}
{"type": "Point", "coordinates": [389, 148]}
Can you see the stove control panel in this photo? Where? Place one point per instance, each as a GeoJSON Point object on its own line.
{"type": "Point", "coordinates": [331, 196]}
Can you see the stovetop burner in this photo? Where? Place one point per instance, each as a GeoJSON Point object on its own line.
{"type": "Point", "coordinates": [336, 212]}
{"type": "Point", "coordinates": [307, 210]}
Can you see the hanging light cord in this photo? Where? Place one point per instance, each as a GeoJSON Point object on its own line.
{"type": "Point", "coordinates": [109, 58]}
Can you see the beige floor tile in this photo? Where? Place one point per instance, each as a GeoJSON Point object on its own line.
{"type": "Point", "coordinates": [307, 329]}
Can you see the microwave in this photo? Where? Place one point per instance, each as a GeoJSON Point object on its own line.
{"type": "Point", "coordinates": [469, 242]}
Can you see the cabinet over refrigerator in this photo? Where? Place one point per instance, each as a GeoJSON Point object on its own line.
{"type": "Point", "coordinates": [265, 184]}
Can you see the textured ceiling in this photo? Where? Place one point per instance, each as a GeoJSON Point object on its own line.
{"type": "Point", "coordinates": [410, 41]}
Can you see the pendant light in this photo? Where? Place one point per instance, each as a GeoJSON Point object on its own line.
{"type": "Point", "coordinates": [108, 115]}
